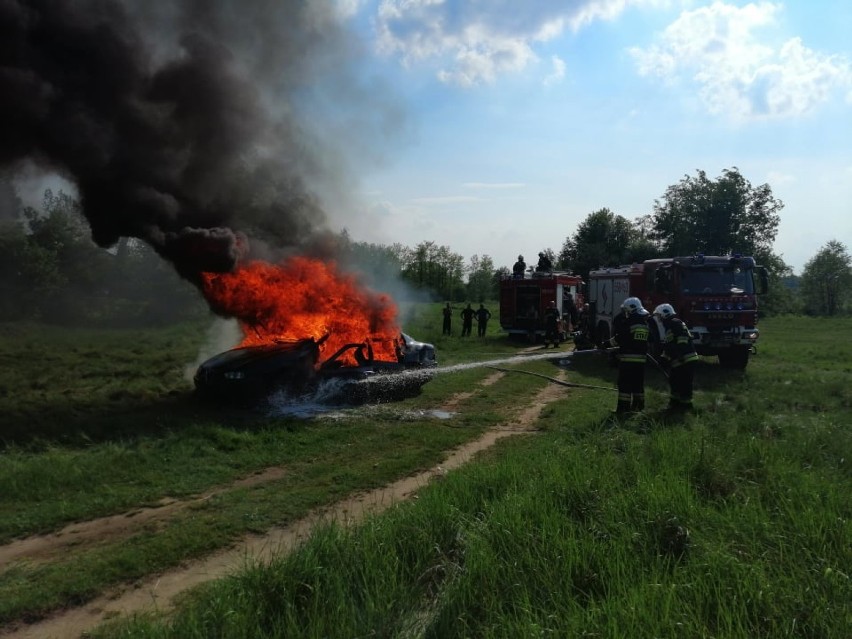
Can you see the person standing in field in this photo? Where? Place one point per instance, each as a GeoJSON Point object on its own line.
{"type": "Point", "coordinates": [482, 317]}
{"type": "Point", "coordinates": [630, 335]}
{"type": "Point", "coordinates": [448, 319]}
{"type": "Point", "coordinates": [679, 350]}
{"type": "Point", "coordinates": [551, 324]}
{"type": "Point", "coordinates": [467, 320]}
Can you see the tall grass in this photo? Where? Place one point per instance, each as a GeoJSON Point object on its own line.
{"type": "Point", "coordinates": [734, 522]}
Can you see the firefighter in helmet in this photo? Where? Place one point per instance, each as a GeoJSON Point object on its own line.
{"type": "Point", "coordinates": [630, 335]}
{"type": "Point", "coordinates": [519, 268]}
{"type": "Point", "coordinates": [551, 324]}
{"type": "Point", "coordinates": [679, 350]}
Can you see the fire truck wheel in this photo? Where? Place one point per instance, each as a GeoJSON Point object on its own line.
{"type": "Point", "coordinates": [735, 357]}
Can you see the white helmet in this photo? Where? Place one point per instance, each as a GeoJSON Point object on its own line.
{"type": "Point", "coordinates": [665, 311]}
{"type": "Point", "coordinates": [633, 305]}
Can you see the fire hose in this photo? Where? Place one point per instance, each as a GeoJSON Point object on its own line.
{"type": "Point", "coordinates": [573, 384]}
{"type": "Point", "coordinates": [553, 379]}
{"type": "Point", "coordinates": [659, 366]}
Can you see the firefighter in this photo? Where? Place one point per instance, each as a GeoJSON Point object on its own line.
{"type": "Point", "coordinates": [544, 263]}
{"type": "Point", "coordinates": [551, 325]}
{"type": "Point", "coordinates": [448, 319]}
{"type": "Point", "coordinates": [467, 320]}
{"type": "Point", "coordinates": [582, 331]}
{"type": "Point", "coordinates": [679, 350]}
{"type": "Point", "coordinates": [482, 317]}
{"type": "Point", "coordinates": [630, 335]}
{"type": "Point", "coordinates": [519, 268]}
{"type": "Point", "coordinates": [569, 311]}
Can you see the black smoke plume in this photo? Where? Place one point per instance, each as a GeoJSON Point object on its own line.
{"type": "Point", "coordinates": [181, 123]}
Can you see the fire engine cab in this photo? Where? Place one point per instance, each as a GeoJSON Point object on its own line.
{"type": "Point", "coordinates": [523, 301]}
{"type": "Point", "coordinates": [716, 296]}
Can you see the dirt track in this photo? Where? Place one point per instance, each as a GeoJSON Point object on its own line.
{"type": "Point", "coordinates": [158, 591]}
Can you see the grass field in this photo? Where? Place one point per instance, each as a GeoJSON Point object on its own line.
{"type": "Point", "coordinates": [733, 522]}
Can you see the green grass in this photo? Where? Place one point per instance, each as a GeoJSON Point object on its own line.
{"type": "Point", "coordinates": [732, 522]}
{"type": "Point", "coordinates": [110, 459]}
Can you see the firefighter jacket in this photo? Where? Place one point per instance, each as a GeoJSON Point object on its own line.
{"type": "Point", "coordinates": [631, 336]}
{"type": "Point", "coordinates": [551, 318]}
{"type": "Point", "coordinates": [677, 342]}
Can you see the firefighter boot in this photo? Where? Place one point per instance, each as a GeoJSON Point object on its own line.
{"type": "Point", "coordinates": [638, 403]}
{"type": "Point", "coordinates": [623, 406]}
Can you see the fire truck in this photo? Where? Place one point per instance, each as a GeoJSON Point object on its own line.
{"type": "Point", "coordinates": [716, 296]}
{"type": "Point", "coordinates": [523, 301]}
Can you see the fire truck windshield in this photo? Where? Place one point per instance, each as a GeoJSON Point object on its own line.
{"type": "Point", "coordinates": [716, 281]}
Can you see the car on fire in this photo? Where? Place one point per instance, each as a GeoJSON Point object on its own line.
{"type": "Point", "coordinates": [250, 373]}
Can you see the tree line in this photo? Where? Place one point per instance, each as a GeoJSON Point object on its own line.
{"type": "Point", "coordinates": [51, 270]}
{"type": "Point", "coordinates": [697, 215]}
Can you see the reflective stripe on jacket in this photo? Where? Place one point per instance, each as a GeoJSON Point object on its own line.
{"type": "Point", "coordinates": [631, 335]}
{"type": "Point", "coordinates": [678, 344]}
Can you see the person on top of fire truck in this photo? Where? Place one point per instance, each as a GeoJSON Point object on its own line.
{"type": "Point", "coordinates": [551, 324]}
{"type": "Point", "coordinates": [544, 263]}
{"type": "Point", "coordinates": [630, 335]}
{"type": "Point", "coordinates": [519, 268]}
{"type": "Point", "coordinates": [680, 352]}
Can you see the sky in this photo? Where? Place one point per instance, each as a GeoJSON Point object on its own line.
{"type": "Point", "coordinates": [519, 119]}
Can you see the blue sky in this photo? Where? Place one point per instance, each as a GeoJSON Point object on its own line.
{"type": "Point", "coordinates": [521, 118]}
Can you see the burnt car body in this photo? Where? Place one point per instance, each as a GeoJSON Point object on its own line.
{"type": "Point", "coordinates": [251, 373]}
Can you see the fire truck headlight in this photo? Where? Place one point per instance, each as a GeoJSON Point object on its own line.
{"type": "Point", "coordinates": [751, 335]}
{"type": "Point", "coordinates": [706, 306]}
{"type": "Point", "coordinates": [729, 306]}
{"type": "Point", "coordinates": [739, 306]}
{"type": "Point", "coordinates": [718, 306]}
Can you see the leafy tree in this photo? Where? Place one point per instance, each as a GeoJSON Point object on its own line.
{"type": "Point", "coordinates": [826, 282]}
{"type": "Point", "coordinates": [480, 279]}
{"type": "Point", "coordinates": [699, 215]}
{"type": "Point", "coordinates": [61, 229]}
{"type": "Point", "coordinates": [780, 299]}
{"type": "Point", "coordinates": [29, 274]}
{"type": "Point", "coordinates": [51, 270]}
{"type": "Point", "coordinates": [437, 269]}
{"type": "Point", "coordinates": [379, 263]}
{"type": "Point", "coordinates": [603, 239]}
{"type": "Point", "coordinates": [499, 274]}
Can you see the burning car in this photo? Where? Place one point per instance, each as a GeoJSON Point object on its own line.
{"type": "Point", "coordinates": [350, 375]}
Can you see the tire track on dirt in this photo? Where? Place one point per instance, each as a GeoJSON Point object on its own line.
{"type": "Point", "coordinates": [79, 535]}
{"type": "Point", "coordinates": [157, 593]}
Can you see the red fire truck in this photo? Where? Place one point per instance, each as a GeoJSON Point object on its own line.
{"type": "Point", "coordinates": [715, 295]}
{"type": "Point", "coordinates": [523, 301]}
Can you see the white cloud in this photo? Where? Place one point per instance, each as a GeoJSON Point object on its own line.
{"type": "Point", "coordinates": [558, 74]}
{"type": "Point", "coordinates": [347, 8]}
{"type": "Point", "coordinates": [738, 75]}
{"type": "Point", "coordinates": [475, 42]}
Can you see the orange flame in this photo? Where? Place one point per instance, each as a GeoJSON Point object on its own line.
{"type": "Point", "coordinates": [304, 298]}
